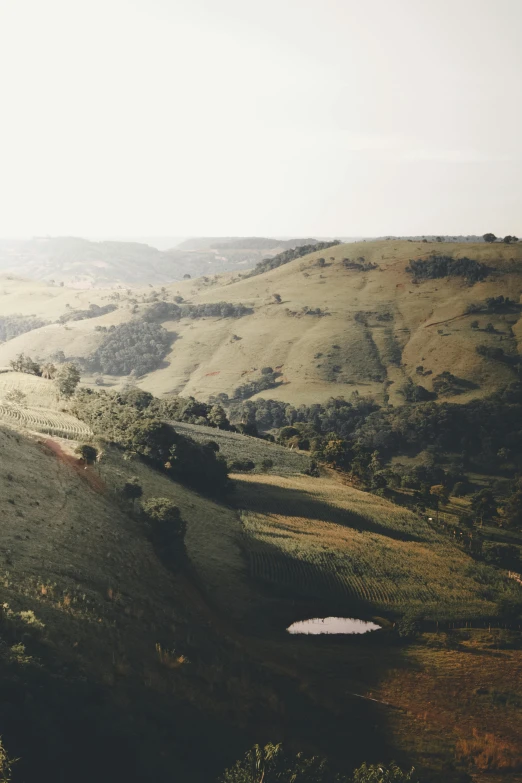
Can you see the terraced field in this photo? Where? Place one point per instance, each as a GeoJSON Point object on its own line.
{"type": "Point", "coordinates": [320, 539]}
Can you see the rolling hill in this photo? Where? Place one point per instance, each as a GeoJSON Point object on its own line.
{"type": "Point", "coordinates": [349, 318]}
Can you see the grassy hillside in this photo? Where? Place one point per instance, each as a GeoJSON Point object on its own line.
{"type": "Point", "coordinates": [332, 542]}
{"type": "Point", "coordinates": [371, 327]}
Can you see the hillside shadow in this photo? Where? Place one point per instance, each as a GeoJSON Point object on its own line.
{"type": "Point", "coordinates": [269, 499]}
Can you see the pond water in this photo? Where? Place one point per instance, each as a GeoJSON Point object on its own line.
{"type": "Point", "coordinates": [319, 625]}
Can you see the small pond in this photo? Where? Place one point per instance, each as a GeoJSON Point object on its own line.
{"type": "Point", "coordinates": [319, 625]}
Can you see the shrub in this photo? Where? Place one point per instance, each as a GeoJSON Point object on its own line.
{"type": "Point", "coordinates": [266, 464]}
{"type": "Point", "coordinates": [167, 528]}
{"type": "Point", "coordinates": [88, 453]}
{"type": "Point", "coordinates": [132, 489]}
{"type": "Point", "coordinates": [241, 465]}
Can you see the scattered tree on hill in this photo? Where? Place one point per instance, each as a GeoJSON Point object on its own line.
{"type": "Point", "coordinates": [132, 489]}
{"type": "Point", "coordinates": [489, 237]}
{"type": "Point", "coordinates": [67, 379]}
{"type": "Point", "coordinates": [277, 298]}
{"type": "Point", "coordinates": [24, 363]}
{"type": "Point", "coordinates": [508, 239]}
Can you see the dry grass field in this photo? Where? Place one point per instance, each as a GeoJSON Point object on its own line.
{"type": "Point", "coordinates": [400, 325]}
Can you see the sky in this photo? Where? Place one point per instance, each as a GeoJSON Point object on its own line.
{"type": "Point", "coordinates": [260, 117]}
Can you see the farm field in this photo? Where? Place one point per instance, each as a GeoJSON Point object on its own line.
{"type": "Point", "coordinates": [234, 446]}
{"type": "Point", "coordinates": [320, 539]}
{"type": "Point", "coordinates": [40, 410]}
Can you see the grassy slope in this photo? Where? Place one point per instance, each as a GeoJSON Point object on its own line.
{"type": "Point", "coordinates": [326, 540]}
{"type": "Point", "coordinates": [84, 566]}
{"type": "Point", "coordinates": [206, 359]}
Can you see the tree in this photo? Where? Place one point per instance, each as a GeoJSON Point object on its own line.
{"type": "Point", "coordinates": [489, 237]}
{"type": "Point", "coordinates": [132, 489]}
{"type": "Point", "coordinates": [67, 379]}
{"type": "Point", "coordinates": [218, 418]}
{"type": "Point", "coordinates": [88, 453]}
{"type": "Point", "coordinates": [484, 505]}
{"type": "Point", "coordinates": [186, 277]}
{"type": "Point", "coordinates": [508, 239]}
{"type": "Point", "coordinates": [48, 371]}
{"type": "Point", "coordinates": [277, 298]}
{"type": "Point", "coordinates": [167, 528]}
{"type": "Point", "coordinates": [474, 324]}
{"type": "Point", "coordinates": [513, 507]}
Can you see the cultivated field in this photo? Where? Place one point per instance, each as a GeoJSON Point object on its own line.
{"type": "Point", "coordinates": [321, 539]}
{"type": "Point", "coordinates": [40, 411]}
{"type": "Point", "coordinates": [234, 446]}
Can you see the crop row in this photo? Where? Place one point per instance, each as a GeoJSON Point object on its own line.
{"type": "Point", "coordinates": [310, 571]}
{"type": "Point", "coordinates": [45, 421]}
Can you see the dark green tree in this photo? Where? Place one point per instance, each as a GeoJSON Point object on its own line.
{"type": "Point", "coordinates": [489, 237]}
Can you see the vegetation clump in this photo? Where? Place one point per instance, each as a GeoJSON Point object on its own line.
{"type": "Point", "coordinates": [134, 346]}
{"type": "Point", "coordinates": [132, 422]}
{"type": "Point", "coordinates": [446, 266]}
{"type": "Point", "coordinates": [14, 325]}
{"type": "Point", "coordinates": [170, 311]}
{"type": "Point", "coordinates": [94, 311]}
{"type": "Point", "coordinates": [289, 255]}
{"type": "Point", "coordinates": [269, 764]}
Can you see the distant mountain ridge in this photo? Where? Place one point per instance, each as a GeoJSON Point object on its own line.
{"type": "Point", "coordinates": [82, 263]}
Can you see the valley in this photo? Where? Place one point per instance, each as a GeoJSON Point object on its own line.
{"type": "Point", "coordinates": [330, 389]}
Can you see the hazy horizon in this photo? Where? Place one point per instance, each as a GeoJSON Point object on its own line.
{"type": "Point", "coordinates": [162, 118]}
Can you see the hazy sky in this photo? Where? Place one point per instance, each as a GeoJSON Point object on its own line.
{"type": "Point", "coordinates": [260, 117]}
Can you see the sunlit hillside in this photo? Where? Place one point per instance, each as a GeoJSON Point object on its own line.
{"type": "Point", "coordinates": [356, 320]}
